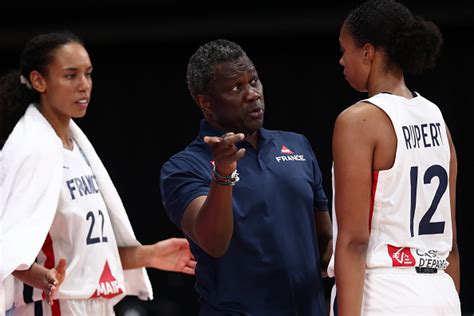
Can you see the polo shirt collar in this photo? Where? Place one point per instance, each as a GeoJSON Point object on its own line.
{"type": "Point", "coordinates": [205, 129]}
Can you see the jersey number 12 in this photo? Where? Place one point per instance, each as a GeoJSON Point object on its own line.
{"type": "Point", "coordinates": [426, 227]}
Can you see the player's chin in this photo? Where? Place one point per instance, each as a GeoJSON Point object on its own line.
{"type": "Point", "coordinates": [356, 85]}
{"type": "Point", "coordinates": [79, 114]}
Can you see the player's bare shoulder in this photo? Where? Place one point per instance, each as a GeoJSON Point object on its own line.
{"type": "Point", "coordinates": [361, 116]}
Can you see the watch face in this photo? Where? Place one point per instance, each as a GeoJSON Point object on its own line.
{"type": "Point", "coordinates": [234, 177]}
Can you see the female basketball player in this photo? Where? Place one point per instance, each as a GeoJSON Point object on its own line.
{"type": "Point", "coordinates": [394, 173]}
{"type": "Point", "coordinates": [57, 198]}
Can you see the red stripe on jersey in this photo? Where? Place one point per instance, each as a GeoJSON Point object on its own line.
{"type": "Point", "coordinates": [372, 197]}
{"type": "Point", "coordinates": [49, 252]}
{"type": "Point", "coordinates": [55, 309]}
{"type": "Point", "coordinates": [49, 264]}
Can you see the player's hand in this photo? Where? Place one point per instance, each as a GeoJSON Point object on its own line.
{"type": "Point", "coordinates": [53, 279]}
{"type": "Point", "coordinates": [173, 254]}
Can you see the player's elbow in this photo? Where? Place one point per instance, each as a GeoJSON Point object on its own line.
{"type": "Point", "coordinates": [354, 244]}
{"type": "Point", "coordinates": [214, 243]}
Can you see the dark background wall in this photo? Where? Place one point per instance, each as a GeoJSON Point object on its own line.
{"type": "Point", "coordinates": [141, 112]}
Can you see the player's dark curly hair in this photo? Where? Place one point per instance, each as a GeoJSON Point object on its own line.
{"type": "Point", "coordinates": [410, 42]}
{"type": "Point", "coordinates": [202, 64]}
{"type": "Point", "coordinates": [15, 96]}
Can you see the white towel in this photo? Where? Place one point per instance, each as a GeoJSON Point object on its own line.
{"type": "Point", "coordinates": [31, 169]}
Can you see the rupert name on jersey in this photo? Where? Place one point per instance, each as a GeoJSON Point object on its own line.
{"type": "Point", "coordinates": [423, 135]}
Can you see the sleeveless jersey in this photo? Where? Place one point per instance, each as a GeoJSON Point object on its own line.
{"type": "Point", "coordinates": [82, 233]}
{"type": "Point", "coordinates": [410, 216]}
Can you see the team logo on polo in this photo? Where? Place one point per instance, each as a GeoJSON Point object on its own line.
{"type": "Point", "coordinates": [286, 150]}
{"type": "Point", "coordinates": [289, 155]}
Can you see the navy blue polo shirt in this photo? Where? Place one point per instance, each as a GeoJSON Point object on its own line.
{"type": "Point", "coordinates": [272, 265]}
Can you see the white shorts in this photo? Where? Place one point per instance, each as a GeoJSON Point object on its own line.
{"type": "Point", "coordinates": [96, 307]}
{"type": "Point", "coordinates": [403, 291]}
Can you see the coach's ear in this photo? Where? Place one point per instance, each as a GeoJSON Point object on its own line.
{"type": "Point", "coordinates": [204, 104]}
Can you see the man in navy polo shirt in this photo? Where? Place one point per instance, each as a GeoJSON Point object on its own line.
{"type": "Point", "coordinates": [249, 200]}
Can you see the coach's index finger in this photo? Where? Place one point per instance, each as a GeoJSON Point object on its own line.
{"type": "Point", "coordinates": [226, 140]}
{"type": "Point", "coordinates": [212, 140]}
{"type": "Point", "coordinates": [229, 139]}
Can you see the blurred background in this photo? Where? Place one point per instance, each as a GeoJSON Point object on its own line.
{"type": "Point", "coordinates": [141, 112]}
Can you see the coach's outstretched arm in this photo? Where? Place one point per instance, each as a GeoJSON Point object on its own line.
{"type": "Point", "coordinates": [209, 220]}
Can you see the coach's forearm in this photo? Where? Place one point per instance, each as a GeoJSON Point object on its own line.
{"type": "Point", "coordinates": [214, 223]}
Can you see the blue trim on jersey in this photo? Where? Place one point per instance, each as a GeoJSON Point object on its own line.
{"type": "Point", "coordinates": [27, 293]}
{"type": "Point", "coordinates": [272, 264]}
{"type": "Point", "coordinates": [39, 308]}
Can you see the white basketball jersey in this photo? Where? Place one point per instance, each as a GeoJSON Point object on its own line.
{"type": "Point", "coordinates": [82, 233]}
{"type": "Point", "coordinates": [410, 217]}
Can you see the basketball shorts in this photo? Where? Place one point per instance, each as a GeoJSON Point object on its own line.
{"type": "Point", "coordinates": [404, 291]}
{"type": "Point", "coordinates": [96, 307]}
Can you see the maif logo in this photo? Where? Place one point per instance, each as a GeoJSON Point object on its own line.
{"type": "Point", "coordinates": [108, 286]}
{"type": "Point", "coordinates": [289, 155]}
